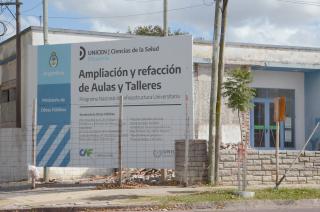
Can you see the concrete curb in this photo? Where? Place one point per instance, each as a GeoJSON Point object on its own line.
{"type": "Point", "coordinates": [233, 205]}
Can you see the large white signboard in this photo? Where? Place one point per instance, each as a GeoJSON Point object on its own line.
{"type": "Point", "coordinates": [79, 86]}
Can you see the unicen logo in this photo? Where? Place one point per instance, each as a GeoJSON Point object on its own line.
{"type": "Point", "coordinates": [86, 152]}
{"type": "Point", "coordinates": [53, 61]}
{"type": "Point", "coordinates": [82, 52]}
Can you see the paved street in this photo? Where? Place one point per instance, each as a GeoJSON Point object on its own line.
{"type": "Point", "coordinates": [87, 197]}
{"type": "Point", "coordinates": [262, 210]}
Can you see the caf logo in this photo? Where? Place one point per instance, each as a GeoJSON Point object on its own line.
{"type": "Point", "coordinates": [53, 62]}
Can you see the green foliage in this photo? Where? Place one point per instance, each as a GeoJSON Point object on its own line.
{"type": "Point", "coordinates": [151, 30]}
{"type": "Point", "coordinates": [238, 91]}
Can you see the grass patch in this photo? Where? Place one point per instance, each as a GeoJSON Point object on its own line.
{"type": "Point", "coordinates": [229, 195]}
{"type": "Point", "coordinates": [287, 194]}
{"type": "Point", "coordinates": [212, 196]}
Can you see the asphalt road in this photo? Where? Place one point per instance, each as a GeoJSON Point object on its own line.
{"type": "Point", "coordinates": [259, 210]}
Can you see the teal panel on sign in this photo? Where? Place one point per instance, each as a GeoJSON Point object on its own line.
{"type": "Point", "coordinates": [54, 64]}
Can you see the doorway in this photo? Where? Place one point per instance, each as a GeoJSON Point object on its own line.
{"type": "Point", "coordinates": [263, 125]}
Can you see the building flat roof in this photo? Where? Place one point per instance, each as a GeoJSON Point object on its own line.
{"type": "Point", "coordinates": [196, 41]}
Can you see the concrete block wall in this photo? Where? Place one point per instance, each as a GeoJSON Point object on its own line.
{"type": "Point", "coordinates": [261, 166]}
{"type": "Point", "coordinates": [198, 161]}
{"type": "Point", "coordinates": [74, 173]}
{"type": "Point", "coordinates": [13, 154]}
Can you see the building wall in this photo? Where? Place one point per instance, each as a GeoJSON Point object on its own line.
{"type": "Point", "coordinates": [7, 76]}
{"type": "Point", "coordinates": [13, 154]}
{"type": "Point", "coordinates": [230, 123]}
{"type": "Point", "coordinates": [263, 55]}
{"type": "Point", "coordinates": [312, 102]}
{"type": "Point", "coordinates": [61, 38]}
{"type": "Point", "coordinates": [286, 80]}
{"type": "Point", "coordinates": [293, 58]}
{"type": "Point", "coordinates": [13, 141]}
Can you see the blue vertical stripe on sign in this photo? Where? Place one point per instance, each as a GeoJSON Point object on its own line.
{"type": "Point", "coordinates": [66, 160]}
{"type": "Point", "coordinates": [48, 143]}
{"type": "Point", "coordinates": [41, 133]}
{"type": "Point", "coordinates": [59, 149]}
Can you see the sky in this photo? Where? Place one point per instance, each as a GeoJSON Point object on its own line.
{"type": "Point", "coordinates": [277, 22]}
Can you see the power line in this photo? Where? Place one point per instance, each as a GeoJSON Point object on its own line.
{"type": "Point", "coordinates": [208, 3]}
{"type": "Point", "coordinates": [300, 2]}
{"type": "Point", "coordinates": [2, 10]}
{"type": "Point", "coordinates": [13, 15]}
{"type": "Point", "coordinates": [154, 12]}
{"type": "Point", "coordinates": [34, 7]}
{"type": "Point", "coordinates": [143, 1]}
{"type": "Point", "coordinates": [124, 16]}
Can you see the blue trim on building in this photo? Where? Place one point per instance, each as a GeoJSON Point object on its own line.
{"type": "Point", "coordinates": [8, 60]}
{"type": "Point", "coordinates": [312, 109]}
{"type": "Point", "coordinates": [277, 68]}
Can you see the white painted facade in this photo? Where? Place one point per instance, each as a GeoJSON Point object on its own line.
{"type": "Point", "coordinates": [286, 80]}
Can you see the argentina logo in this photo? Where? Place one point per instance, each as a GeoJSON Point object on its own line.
{"type": "Point", "coordinates": [53, 61]}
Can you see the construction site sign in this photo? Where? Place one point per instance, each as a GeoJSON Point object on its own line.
{"type": "Point", "coordinates": [78, 91]}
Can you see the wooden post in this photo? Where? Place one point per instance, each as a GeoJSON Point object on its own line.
{"type": "Point", "coordinates": [279, 115]}
{"type": "Point", "coordinates": [119, 143]}
{"type": "Point", "coordinates": [165, 34]}
{"type": "Point", "coordinates": [186, 146]}
{"type": "Point", "coordinates": [34, 139]}
{"type": "Point", "coordinates": [163, 175]}
{"type": "Point", "coordinates": [277, 152]}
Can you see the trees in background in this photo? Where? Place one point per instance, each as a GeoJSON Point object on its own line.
{"type": "Point", "coordinates": [153, 30]}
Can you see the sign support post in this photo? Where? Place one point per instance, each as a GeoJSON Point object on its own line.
{"type": "Point", "coordinates": [34, 139]}
{"type": "Point", "coordinates": [186, 147]}
{"type": "Point", "coordinates": [119, 138]}
{"type": "Point", "coordinates": [277, 151]}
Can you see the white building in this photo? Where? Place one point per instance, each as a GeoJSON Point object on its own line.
{"type": "Point", "coordinates": [293, 72]}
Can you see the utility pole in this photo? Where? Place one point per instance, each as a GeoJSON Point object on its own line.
{"type": "Point", "coordinates": [165, 18]}
{"type": "Point", "coordinates": [45, 42]}
{"type": "Point", "coordinates": [45, 22]}
{"type": "Point", "coordinates": [213, 92]}
{"type": "Point", "coordinates": [17, 3]}
{"type": "Point", "coordinates": [18, 75]}
{"type": "Point", "coordinates": [219, 91]}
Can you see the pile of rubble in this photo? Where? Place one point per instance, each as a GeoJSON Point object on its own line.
{"type": "Point", "coordinates": [137, 178]}
{"type": "Point", "coordinates": [231, 146]}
